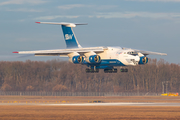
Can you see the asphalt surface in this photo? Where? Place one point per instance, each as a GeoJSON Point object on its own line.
{"type": "Point", "coordinates": [96, 104]}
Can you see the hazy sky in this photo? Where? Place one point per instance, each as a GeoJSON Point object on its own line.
{"type": "Point", "coordinates": [152, 25]}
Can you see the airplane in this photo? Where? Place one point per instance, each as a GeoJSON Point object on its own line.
{"type": "Point", "coordinates": [95, 58]}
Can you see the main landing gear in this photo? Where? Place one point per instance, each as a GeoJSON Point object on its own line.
{"type": "Point", "coordinates": [92, 70]}
{"type": "Point", "coordinates": [124, 70]}
{"type": "Point", "coordinates": [110, 70]}
{"type": "Point", "coordinates": [113, 70]}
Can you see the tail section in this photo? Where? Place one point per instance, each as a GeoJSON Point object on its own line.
{"type": "Point", "coordinates": [69, 36]}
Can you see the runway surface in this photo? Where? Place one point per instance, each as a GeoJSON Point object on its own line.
{"type": "Point", "coordinates": [96, 104]}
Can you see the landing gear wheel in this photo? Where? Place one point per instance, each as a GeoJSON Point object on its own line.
{"type": "Point", "coordinates": [114, 71]}
{"type": "Point", "coordinates": [91, 70]}
{"type": "Point", "coordinates": [124, 70]}
{"type": "Point", "coordinates": [96, 71]}
{"type": "Point", "coordinates": [87, 70]}
{"type": "Point", "coordinates": [105, 70]}
{"type": "Point", "coordinates": [110, 70]}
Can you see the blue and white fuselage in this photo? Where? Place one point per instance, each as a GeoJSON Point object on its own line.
{"type": "Point", "coordinates": [107, 58]}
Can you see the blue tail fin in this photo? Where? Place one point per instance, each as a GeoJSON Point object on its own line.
{"type": "Point", "coordinates": [70, 38]}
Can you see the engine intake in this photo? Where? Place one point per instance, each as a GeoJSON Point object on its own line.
{"type": "Point", "coordinates": [77, 59]}
{"type": "Point", "coordinates": [94, 59]}
{"type": "Point", "coordinates": [143, 60]}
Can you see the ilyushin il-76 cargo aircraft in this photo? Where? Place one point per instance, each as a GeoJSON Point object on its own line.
{"type": "Point", "coordinates": [95, 58]}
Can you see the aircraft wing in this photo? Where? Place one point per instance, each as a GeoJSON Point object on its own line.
{"type": "Point", "coordinates": [62, 52]}
{"type": "Point", "coordinates": [149, 52]}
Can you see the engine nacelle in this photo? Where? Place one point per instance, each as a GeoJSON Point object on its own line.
{"type": "Point", "coordinates": [93, 59]}
{"type": "Point", "coordinates": [77, 59]}
{"type": "Point", "coordinates": [143, 60]}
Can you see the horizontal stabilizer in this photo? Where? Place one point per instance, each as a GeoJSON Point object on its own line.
{"type": "Point", "coordinates": [63, 23]}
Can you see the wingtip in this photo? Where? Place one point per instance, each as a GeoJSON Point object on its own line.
{"type": "Point", "coordinates": [38, 22]}
{"type": "Point", "coordinates": [164, 54]}
{"type": "Point", "coordinates": [15, 52]}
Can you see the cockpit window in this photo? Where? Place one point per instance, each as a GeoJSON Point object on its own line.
{"type": "Point", "coordinates": [132, 53]}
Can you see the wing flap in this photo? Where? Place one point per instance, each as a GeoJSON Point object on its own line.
{"type": "Point", "coordinates": [62, 52]}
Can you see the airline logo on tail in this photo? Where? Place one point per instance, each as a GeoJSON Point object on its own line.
{"type": "Point", "coordinates": [68, 36]}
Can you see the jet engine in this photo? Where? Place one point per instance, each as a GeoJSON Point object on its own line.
{"type": "Point", "coordinates": [93, 59]}
{"type": "Point", "coordinates": [77, 59]}
{"type": "Point", "coordinates": [143, 60]}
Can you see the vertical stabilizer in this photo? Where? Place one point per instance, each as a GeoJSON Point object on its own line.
{"type": "Point", "coordinates": [69, 36]}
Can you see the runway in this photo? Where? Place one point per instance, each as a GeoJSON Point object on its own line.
{"type": "Point", "coordinates": [95, 104]}
{"type": "Point", "coordinates": [40, 107]}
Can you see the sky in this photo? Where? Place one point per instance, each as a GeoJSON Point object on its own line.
{"type": "Point", "coordinates": [152, 25]}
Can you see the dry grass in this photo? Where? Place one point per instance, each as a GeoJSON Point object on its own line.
{"type": "Point", "coordinates": [88, 113]}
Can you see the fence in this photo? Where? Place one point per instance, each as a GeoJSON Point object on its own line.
{"type": "Point", "coordinates": [19, 93]}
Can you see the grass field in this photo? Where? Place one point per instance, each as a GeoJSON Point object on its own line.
{"type": "Point", "coordinates": [16, 112]}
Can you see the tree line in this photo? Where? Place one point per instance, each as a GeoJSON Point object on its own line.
{"type": "Point", "coordinates": [63, 76]}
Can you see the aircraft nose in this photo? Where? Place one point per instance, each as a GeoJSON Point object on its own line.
{"type": "Point", "coordinates": [137, 59]}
